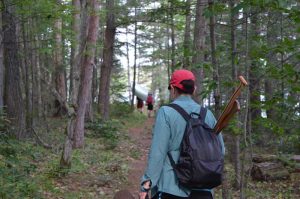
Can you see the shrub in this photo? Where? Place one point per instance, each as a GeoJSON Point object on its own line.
{"type": "Point", "coordinates": [4, 123]}
{"type": "Point", "coordinates": [16, 167]}
{"type": "Point", "coordinates": [108, 130]}
{"type": "Point", "coordinates": [120, 109]}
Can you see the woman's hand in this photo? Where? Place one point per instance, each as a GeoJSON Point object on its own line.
{"type": "Point", "coordinates": [143, 195]}
{"type": "Point", "coordinates": [144, 190]}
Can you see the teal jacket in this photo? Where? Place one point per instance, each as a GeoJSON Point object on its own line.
{"type": "Point", "coordinates": [167, 135]}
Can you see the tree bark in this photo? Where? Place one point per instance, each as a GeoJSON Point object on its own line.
{"type": "Point", "coordinates": [13, 97]}
{"type": "Point", "coordinates": [1, 66]}
{"type": "Point", "coordinates": [59, 76]}
{"type": "Point", "coordinates": [86, 75]}
{"type": "Point", "coordinates": [254, 81]}
{"type": "Point", "coordinates": [173, 61]}
{"type": "Point", "coordinates": [271, 61]}
{"type": "Point", "coordinates": [75, 56]}
{"type": "Point", "coordinates": [199, 45]}
{"type": "Point", "coordinates": [27, 65]}
{"type": "Point", "coordinates": [246, 128]}
{"type": "Point", "coordinates": [107, 65]}
{"type": "Point", "coordinates": [187, 36]}
{"type": "Point", "coordinates": [134, 65]}
{"type": "Point", "coordinates": [236, 138]}
{"type": "Point", "coordinates": [216, 76]}
{"type": "Point", "coordinates": [38, 77]}
{"type": "Point", "coordinates": [128, 67]}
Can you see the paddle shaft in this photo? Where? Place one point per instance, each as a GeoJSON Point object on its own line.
{"type": "Point", "coordinates": [228, 112]}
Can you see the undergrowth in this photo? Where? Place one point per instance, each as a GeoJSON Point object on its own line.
{"type": "Point", "coordinates": [30, 171]}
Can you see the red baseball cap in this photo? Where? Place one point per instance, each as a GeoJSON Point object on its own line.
{"type": "Point", "coordinates": [178, 76]}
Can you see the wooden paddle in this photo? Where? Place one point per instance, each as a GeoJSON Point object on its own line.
{"type": "Point", "coordinates": [231, 108]}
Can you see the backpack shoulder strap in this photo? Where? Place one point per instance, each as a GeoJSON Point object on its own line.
{"type": "Point", "coordinates": [180, 110]}
{"type": "Point", "coordinates": [203, 112]}
{"type": "Point", "coordinates": [186, 116]}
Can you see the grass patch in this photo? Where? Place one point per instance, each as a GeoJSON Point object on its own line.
{"type": "Point", "coordinates": [134, 119]}
{"type": "Point", "coordinates": [135, 153]}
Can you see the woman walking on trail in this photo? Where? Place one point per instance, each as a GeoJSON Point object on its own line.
{"type": "Point", "coordinates": [150, 103]}
{"type": "Point", "coordinates": [168, 131]}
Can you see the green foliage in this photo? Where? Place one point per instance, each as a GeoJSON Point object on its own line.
{"type": "Point", "coordinates": [16, 166]}
{"type": "Point", "coordinates": [108, 130]}
{"type": "Point", "coordinates": [118, 84]}
{"type": "Point", "coordinates": [135, 119]}
{"type": "Point", "coordinates": [4, 123]}
{"type": "Point", "coordinates": [120, 109]}
{"type": "Point", "coordinates": [217, 8]}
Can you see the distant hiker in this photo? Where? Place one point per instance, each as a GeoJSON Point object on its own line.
{"type": "Point", "coordinates": [150, 103]}
{"type": "Point", "coordinates": [140, 104]}
{"type": "Point", "coordinates": [166, 148]}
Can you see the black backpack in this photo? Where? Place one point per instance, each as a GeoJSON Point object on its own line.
{"type": "Point", "coordinates": [201, 162]}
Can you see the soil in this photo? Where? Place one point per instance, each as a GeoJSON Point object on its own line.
{"type": "Point", "coordinates": [141, 137]}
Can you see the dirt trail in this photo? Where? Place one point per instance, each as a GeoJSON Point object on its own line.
{"type": "Point", "coordinates": [141, 137]}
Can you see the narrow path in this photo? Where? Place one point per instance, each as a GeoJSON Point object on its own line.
{"type": "Point", "coordinates": [141, 137]}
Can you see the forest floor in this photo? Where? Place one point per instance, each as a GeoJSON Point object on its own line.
{"type": "Point", "coordinates": [108, 163]}
{"type": "Point", "coordinates": [141, 138]}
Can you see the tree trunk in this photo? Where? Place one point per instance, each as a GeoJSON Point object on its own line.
{"type": "Point", "coordinates": [236, 138]}
{"type": "Point", "coordinates": [107, 64]}
{"type": "Point", "coordinates": [216, 76]}
{"type": "Point", "coordinates": [27, 65]}
{"type": "Point", "coordinates": [89, 115]}
{"type": "Point", "coordinates": [271, 61]}
{"type": "Point", "coordinates": [75, 56]}
{"type": "Point", "coordinates": [59, 76]}
{"type": "Point", "coordinates": [173, 61]}
{"type": "Point", "coordinates": [134, 65]}
{"type": "Point", "coordinates": [95, 78]}
{"type": "Point", "coordinates": [246, 130]}
{"type": "Point", "coordinates": [86, 75]}
{"type": "Point", "coordinates": [128, 67]}
{"type": "Point", "coordinates": [254, 81]}
{"type": "Point", "coordinates": [13, 97]}
{"type": "Point", "coordinates": [1, 67]}
{"type": "Point", "coordinates": [187, 36]}
{"type": "Point", "coordinates": [38, 80]}
{"type": "Point", "coordinates": [199, 45]}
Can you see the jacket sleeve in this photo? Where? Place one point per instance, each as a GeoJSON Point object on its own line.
{"type": "Point", "coordinates": [159, 148]}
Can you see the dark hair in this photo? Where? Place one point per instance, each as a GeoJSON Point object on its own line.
{"type": "Point", "coordinates": [188, 87]}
